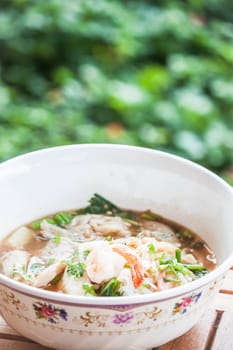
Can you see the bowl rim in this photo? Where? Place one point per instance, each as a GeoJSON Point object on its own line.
{"type": "Point", "coordinates": [160, 296]}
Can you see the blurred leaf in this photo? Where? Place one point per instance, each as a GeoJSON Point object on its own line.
{"type": "Point", "coordinates": [153, 74]}
{"type": "Point", "coordinates": [191, 144]}
{"type": "Point", "coordinates": [154, 78]}
{"type": "Point", "coordinates": [223, 89]}
{"type": "Point", "coordinates": [153, 136]}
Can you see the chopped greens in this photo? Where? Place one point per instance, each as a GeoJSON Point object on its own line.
{"type": "Point", "coordinates": [62, 218]}
{"type": "Point", "coordinates": [36, 225]}
{"type": "Point", "coordinates": [151, 248]}
{"type": "Point", "coordinates": [172, 280]}
{"type": "Point", "coordinates": [110, 289]}
{"type": "Point", "coordinates": [59, 219]}
{"type": "Point", "coordinates": [194, 267]}
{"type": "Point", "coordinates": [173, 266]}
{"type": "Point", "coordinates": [75, 270]}
{"type": "Point", "coordinates": [86, 253]}
{"type": "Point", "coordinates": [57, 238]}
{"type": "Point", "coordinates": [178, 255]}
{"type": "Point", "coordinates": [89, 289]}
{"type": "Point", "coordinates": [51, 221]}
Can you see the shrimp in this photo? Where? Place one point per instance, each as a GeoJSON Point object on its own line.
{"type": "Point", "coordinates": [134, 261]}
{"type": "Point", "coordinates": [103, 263]}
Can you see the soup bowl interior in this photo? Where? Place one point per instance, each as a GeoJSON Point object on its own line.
{"type": "Point", "coordinates": [64, 178]}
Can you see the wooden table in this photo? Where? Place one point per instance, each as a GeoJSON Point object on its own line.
{"type": "Point", "coordinates": [214, 331]}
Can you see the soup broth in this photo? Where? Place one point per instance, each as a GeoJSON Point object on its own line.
{"type": "Point", "coordinates": [103, 250]}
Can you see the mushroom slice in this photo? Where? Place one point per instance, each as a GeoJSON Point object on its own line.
{"type": "Point", "coordinates": [48, 274]}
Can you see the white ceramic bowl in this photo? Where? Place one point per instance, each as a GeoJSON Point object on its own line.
{"type": "Point", "coordinates": [61, 178]}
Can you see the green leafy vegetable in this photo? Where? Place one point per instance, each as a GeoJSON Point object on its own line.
{"type": "Point", "coordinates": [89, 289]}
{"type": "Point", "coordinates": [75, 270]}
{"type": "Point", "coordinates": [101, 205]}
{"type": "Point", "coordinates": [110, 289]}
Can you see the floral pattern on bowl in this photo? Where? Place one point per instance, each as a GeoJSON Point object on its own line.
{"type": "Point", "coordinates": [49, 312]}
{"type": "Point", "coordinates": [186, 302]}
{"type": "Point", "coordinates": [123, 318]}
{"type": "Point", "coordinates": [108, 319]}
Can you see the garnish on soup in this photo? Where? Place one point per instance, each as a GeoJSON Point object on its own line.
{"type": "Point", "coordinates": [103, 250]}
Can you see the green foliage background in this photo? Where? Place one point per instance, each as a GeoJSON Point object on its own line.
{"type": "Point", "coordinates": [150, 73]}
